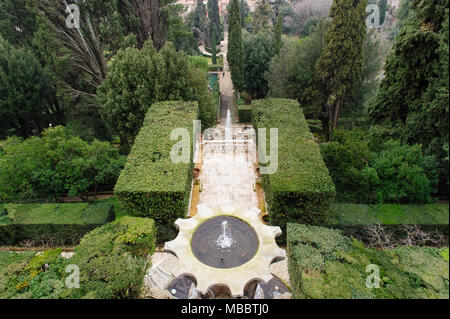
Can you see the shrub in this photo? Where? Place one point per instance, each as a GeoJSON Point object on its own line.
{"type": "Point", "coordinates": [54, 165]}
{"type": "Point", "coordinates": [368, 169]}
{"type": "Point", "coordinates": [301, 190]}
{"type": "Point", "coordinates": [112, 260]}
{"type": "Point", "coordinates": [323, 263]}
{"type": "Point", "coordinates": [55, 224]}
{"type": "Point", "coordinates": [151, 184]}
{"type": "Point", "coordinates": [347, 159]}
{"type": "Point", "coordinates": [138, 78]}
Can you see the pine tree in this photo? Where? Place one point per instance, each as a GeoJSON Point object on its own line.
{"type": "Point", "coordinates": [339, 68]}
{"type": "Point", "coordinates": [235, 54]}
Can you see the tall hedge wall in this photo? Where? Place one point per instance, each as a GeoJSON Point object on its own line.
{"type": "Point", "coordinates": [52, 223]}
{"type": "Point", "coordinates": [150, 184]}
{"type": "Point", "coordinates": [301, 190]}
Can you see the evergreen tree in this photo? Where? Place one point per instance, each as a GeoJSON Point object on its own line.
{"type": "Point", "coordinates": [412, 101]}
{"type": "Point", "coordinates": [213, 15]}
{"type": "Point", "coordinates": [258, 52]}
{"type": "Point", "coordinates": [245, 10]}
{"type": "Point", "coordinates": [27, 96]}
{"type": "Point", "coordinates": [235, 54]}
{"type": "Point", "coordinates": [277, 33]}
{"type": "Point", "coordinates": [340, 66]}
{"type": "Point", "coordinates": [214, 46]}
{"type": "Point", "coordinates": [262, 17]}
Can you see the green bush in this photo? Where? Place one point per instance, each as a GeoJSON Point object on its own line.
{"type": "Point", "coordinates": [323, 263]}
{"type": "Point", "coordinates": [301, 190]}
{"type": "Point", "coordinates": [245, 113]}
{"type": "Point", "coordinates": [368, 169]}
{"type": "Point", "coordinates": [56, 164]}
{"type": "Point", "coordinates": [347, 159]}
{"type": "Point", "coordinates": [151, 185]}
{"type": "Point", "coordinates": [112, 260]}
{"type": "Point", "coordinates": [55, 224]}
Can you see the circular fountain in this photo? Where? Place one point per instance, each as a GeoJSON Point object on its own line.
{"type": "Point", "coordinates": [226, 247]}
{"type": "Point", "coordinates": [224, 242]}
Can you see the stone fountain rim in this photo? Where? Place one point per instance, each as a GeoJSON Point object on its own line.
{"type": "Point", "coordinates": [234, 278]}
{"type": "Point", "coordinates": [233, 216]}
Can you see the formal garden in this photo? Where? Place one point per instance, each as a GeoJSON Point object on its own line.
{"type": "Point", "coordinates": [345, 197]}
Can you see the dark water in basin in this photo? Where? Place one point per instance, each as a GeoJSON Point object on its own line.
{"type": "Point", "coordinates": [205, 246]}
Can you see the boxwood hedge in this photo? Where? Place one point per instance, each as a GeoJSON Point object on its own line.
{"type": "Point", "coordinates": [51, 223]}
{"type": "Point", "coordinates": [301, 190]}
{"type": "Point", "coordinates": [151, 184]}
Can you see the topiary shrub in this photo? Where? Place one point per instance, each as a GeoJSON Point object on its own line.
{"type": "Point", "coordinates": [151, 184]}
{"type": "Point", "coordinates": [301, 190]}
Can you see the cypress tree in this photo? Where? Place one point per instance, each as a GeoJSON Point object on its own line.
{"type": "Point", "coordinates": [235, 54]}
{"type": "Point", "coordinates": [277, 33]}
{"type": "Point", "coordinates": [339, 68]}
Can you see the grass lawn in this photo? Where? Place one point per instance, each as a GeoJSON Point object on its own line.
{"type": "Point", "coordinates": [58, 213]}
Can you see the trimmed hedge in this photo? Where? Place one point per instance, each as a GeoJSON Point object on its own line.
{"type": "Point", "coordinates": [55, 223]}
{"type": "Point", "coordinates": [151, 185]}
{"type": "Point", "coordinates": [245, 113]}
{"type": "Point", "coordinates": [389, 214]}
{"type": "Point", "coordinates": [324, 264]}
{"type": "Point", "coordinates": [354, 219]}
{"type": "Point", "coordinates": [301, 190]}
{"type": "Point", "coordinates": [112, 259]}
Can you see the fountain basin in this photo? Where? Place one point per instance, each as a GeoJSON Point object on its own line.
{"type": "Point", "coordinates": [224, 242]}
{"type": "Point", "coordinates": [236, 278]}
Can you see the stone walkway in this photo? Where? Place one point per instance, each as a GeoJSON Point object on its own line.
{"type": "Point", "coordinates": [227, 179]}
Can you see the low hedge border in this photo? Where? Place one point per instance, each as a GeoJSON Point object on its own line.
{"type": "Point", "coordinates": [150, 184]}
{"type": "Point", "coordinates": [301, 190]}
{"type": "Point", "coordinates": [354, 219]}
{"type": "Point", "coordinates": [53, 224]}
